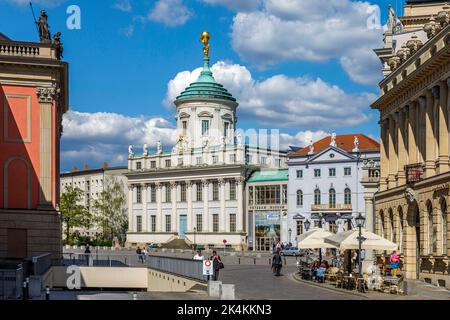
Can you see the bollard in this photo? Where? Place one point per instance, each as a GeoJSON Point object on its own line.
{"type": "Point", "coordinates": [270, 262]}
{"type": "Point", "coordinates": [254, 260]}
{"type": "Point", "coordinates": [239, 260]}
{"type": "Point", "coordinates": [24, 291]}
{"type": "Point", "coordinates": [134, 296]}
{"type": "Point", "coordinates": [284, 260]}
{"type": "Point", "coordinates": [47, 293]}
{"type": "Point", "coordinates": [28, 288]}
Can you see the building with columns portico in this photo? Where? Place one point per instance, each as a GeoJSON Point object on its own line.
{"type": "Point", "coordinates": [196, 192]}
{"type": "Point", "coordinates": [412, 204]}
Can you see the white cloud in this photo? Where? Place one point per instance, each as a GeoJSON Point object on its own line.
{"type": "Point", "coordinates": [104, 137]}
{"type": "Point", "coordinates": [123, 5]}
{"type": "Point", "coordinates": [288, 102]}
{"type": "Point", "coordinates": [309, 30]}
{"type": "Point", "coordinates": [128, 31]}
{"type": "Point", "coordinates": [301, 139]}
{"type": "Point", "coordinates": [172, 13]}
{"type": "Point", "coordinates": [236, 5]}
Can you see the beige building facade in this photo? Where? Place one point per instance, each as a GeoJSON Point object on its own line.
{"type": "Point", "coordinates": [412, 203]}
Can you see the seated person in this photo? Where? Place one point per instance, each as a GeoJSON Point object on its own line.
{"type": "Point", "coordinates": [321, 274]}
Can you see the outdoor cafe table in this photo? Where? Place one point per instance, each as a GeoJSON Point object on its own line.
{"type": "Point", "coordinates": [348, 282]}
{"type": "Point", "coordinates": [307, 274]}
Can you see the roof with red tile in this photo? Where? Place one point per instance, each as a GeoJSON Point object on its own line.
{"type": "Point", "coordinates": [344, 142]}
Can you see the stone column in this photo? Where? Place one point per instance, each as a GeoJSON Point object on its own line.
{"type": "Point", "coordinates": [368, 199]}
{"type": "Point", "coordinates": [159, 217]}
{"type": "Point", "coordinates": [401, 147]}
{"type": "Point", "coordinates": [240, 203]}
{"type": "Point", "coordinates": [45, 97]}
{"type": "Point", "coordinates": [430, 143]}
{"type": "Point", "coordinates": [174, 222]}
{"type": "Point", "coordinates": [205, 184]}
{"type": "Point", "coordinates": [384, 160]}
{"type": "Point", "coordinates": [144, 207]}
{"type": "Point", "coordinates": [443, 151]}
{"type": "Point", "coordinates": [421, 115]}
{"type": "Point", "coordinates": [189, 204]}
{"type": "Point", "coordinates": [223, 214]}
{"type": "Point", "coordinates": [412, 134]}
{"type": "Point", "coordinates": [392, 153]}
{"type": "Point", "coordinates": [131, 226]}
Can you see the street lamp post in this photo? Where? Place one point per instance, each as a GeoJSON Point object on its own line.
{"type": "Point", "coordinates": [290, 234]}
{"type": "Point", "coordinates": [307, 224]}
{"type": "Point", "coordinates": [320, 249]}
{"type": "Point", "coordinates": [359, 222]}
{"type": "Point", "coordinates": [195, 244]}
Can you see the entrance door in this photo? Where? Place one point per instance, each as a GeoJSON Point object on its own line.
{"type": "Point", "coordinates": [182, 227]}
{"type": "Point", "coordinates": [17, 243]}
{"type": "Point", "coordinates": [418, 259]}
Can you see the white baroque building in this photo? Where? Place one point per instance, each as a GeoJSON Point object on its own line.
{"type": "Point", "coordinates": [196, 192]}
{"type": "Point", "coordinates": [325, 183]}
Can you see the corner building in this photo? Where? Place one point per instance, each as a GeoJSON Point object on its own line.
{"type": "Point", "coordinates": [412, 204]}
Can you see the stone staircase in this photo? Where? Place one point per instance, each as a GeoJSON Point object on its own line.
{"type": "Point", "coordinates": [176, 244]}
{"type": "Point", "coordinates": [427, 291]}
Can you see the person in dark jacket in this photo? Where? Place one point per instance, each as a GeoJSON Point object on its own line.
{"type": "Point", "coordinates": [277, 263]}
{"type": "Point", "coordinates": [217, 264]}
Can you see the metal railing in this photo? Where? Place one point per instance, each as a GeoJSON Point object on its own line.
{"type": "Point", "coordinates": [102, 260]}
{"type": "Point", "coordinates": [11, 283]}
{"type": "Point", "coordinates": [183, 267]}
{"type": "Point", "coordinates": [41, 264]}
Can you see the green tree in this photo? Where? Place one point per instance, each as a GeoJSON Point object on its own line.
{"type": "Point", "coordinates": [74, 214]}
{"type": "Point", "coordinates": [110, 209]}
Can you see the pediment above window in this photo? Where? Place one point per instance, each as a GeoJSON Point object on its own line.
{"type": "Point", "coordinates": [205, 114]}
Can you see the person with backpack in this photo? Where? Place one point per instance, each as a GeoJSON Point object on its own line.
{"type": "Point", "coordinates": [217, 265]}
{"type": "Point", "coordinates": [139, 253]}
{"type": "Point", "coordinates": [277, 262]}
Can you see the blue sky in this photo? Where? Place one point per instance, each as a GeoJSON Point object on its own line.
{"type": "Point", "coordinates": [303, 66]}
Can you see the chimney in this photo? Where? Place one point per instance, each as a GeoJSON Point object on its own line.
{"type": "Point", "coordinates": [74, 169]}
{"type": "Point", "coordinates": [86, 167]}
{"type": "Point", "coordinates": [105, 165]}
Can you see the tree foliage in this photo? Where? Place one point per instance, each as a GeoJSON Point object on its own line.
{"type": "Point", "coordinates": [110, 210]}
{"type": "Point", "coordinates": [74, 214]}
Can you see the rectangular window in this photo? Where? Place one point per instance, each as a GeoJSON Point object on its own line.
{"type": "Point", "coordinates": [199, 160]}
{"type": "Point", "coordinates": [278, 162]}
{"type": "Point", "coordinates": [138, 223]}
{"type": "Point", "coordinates": [199, 191]}
{"type": "Point", "coordinates": [138, 194]}
{"type": "Point", "coordinates": [250, 195]}
{"type": "Point", "coordinates": [215, 159]}
{"type": "Point", "coordinates": [153, 164]}
{"type": "Point", "coordinates": [168, 193]}
{"type": "Point", "coordinates": [199, 223]}
{"type": "Point", "coordinates": [347, 171]}
{"type": "Point", "coordinates": [232, 222]}
{"type": "Point", "coordinates": [153, 194]}
{"type": "Point", "coordinates": [284, 194]}
{"type": "Point", "coordinates": [183, 192]}
{"type": "Point", "coordinates": [248, 158]}
{"type": "Point", "coordinates": [153, 223]}
{"type": "Point", "coordinates": [232, 158]}
{"type": "Point", "coordinates": [138, 165]}
{"type": "Point", "coordinates": [215, 191]}
{"type": "Point", "coordinates": [232, 190]}
{"type": "Point", "coordinates": [184, 127]}
{"type": "Point", "coordinates": [226, 128]}
{"type": "Point", "coordinates": [263, 160]}
{"type": "Point", "coordinates": [317, 173]}
{"type": "Point", "coordinates": [168, 163]}
{"type": "Point", "coordinates": [299, 228]}
{"type": "Point", "coordinates": [180, 161]}
{"type": "Point", "coordinates": [205, 127]}
{"type": "Point", "coordinates": [332, 172]}
{"type": "Point", "coordinates": [299, 174]}
{"type": "Point", "coordinates": [168, 223]}
{"type": "Point", "coordinates": [215, 223]}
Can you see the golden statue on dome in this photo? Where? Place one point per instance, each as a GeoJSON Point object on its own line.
{"type": "Point", "coordinates": [204, 38]}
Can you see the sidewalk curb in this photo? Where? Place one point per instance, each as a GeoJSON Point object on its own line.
{"type": "Point", "coordinates": [296, 278]}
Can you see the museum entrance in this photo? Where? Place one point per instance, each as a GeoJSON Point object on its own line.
{"type": "Point", "coordinates": [267, 230]}
{"type": "Point", "coordinates": [265, 244]}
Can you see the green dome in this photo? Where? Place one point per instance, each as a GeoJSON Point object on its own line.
{"type": "Point", "coordinates": [205, 87]}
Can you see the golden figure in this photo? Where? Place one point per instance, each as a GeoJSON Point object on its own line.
{"type": "Point", "coordinates": [204, 38]}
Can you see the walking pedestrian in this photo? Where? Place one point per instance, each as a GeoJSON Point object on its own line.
{"type": "Point", "coordinates": [139, 253]}
{"type": "Point", "coordinates": [277, 263]}
{"type": "Point", "coordinates": [87, 254]}
{"type": "Point", "coordinates": [394, 259]}
{"type": "Point", "coordinates": [144, 255]}
{"type": "Point", "coordinates": [217, 265]}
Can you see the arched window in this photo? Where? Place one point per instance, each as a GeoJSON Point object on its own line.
{"type": "Point", "coordinates": [431, 230]}
{"type": "Point", "coordinates": [317, 200]}
{"type": "Point", "coordinates": [392, 226]}
{"type": "Point", "coordinates": [444, 226]}
{"type": "Point", "coordinates": [332, 198]}
{"type": "Point", "coordinates": [382, 225]}
{"type": "Point", "coordinates": [347, 196]}
{"type": "Point", "coordinates": [299, 198]}
{"type": "Point", "coordinates": [400, 217]}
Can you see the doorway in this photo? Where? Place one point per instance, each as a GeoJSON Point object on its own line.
{"type": "Point", "coordinates": [182, 227]}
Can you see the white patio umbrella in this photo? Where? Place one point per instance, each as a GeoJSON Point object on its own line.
{"type": "Point", "coordinates": [348, 240]}
{"type": "Point", "coordinates": [314, 239]}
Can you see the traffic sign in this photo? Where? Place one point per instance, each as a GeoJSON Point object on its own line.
{"type": "Point", "coordinates": [208, 268]}
{"type": "Point", "coordinates": [224, 241]}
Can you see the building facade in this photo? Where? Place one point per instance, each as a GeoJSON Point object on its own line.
{"type": "Point", "coordinates": [266, 194]}
{"type": "Point", "coordinates": [93, 182]}
{"type": "Point", "coordinates": [412, 205]}
{"type": "Point", "coordinates": [198, 189]}
{"type": "Point", "coordinates": [325, 182]}
{"type": "Point", "coordinates": [33, 99]}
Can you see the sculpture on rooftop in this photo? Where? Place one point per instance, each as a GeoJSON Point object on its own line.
{"type": "Point", "coordinates": [44, 31]}
{"type": "Point", "coordinates": [333, 140]}
{"type": "Point", "coordinates": [159, 147]}
{"type": "Point", "coordinates": [356, 143]}
{"type": "Point", "coordinates": [130, 151]}
{"type": "Point", "coordinates": [311, 147]}
{"type": "Point", "coordinates": [204, 38]}
{"type": "Point", "coordinates": [58, 45]}
{"type": "Point", "coordinates": [145, 150]}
